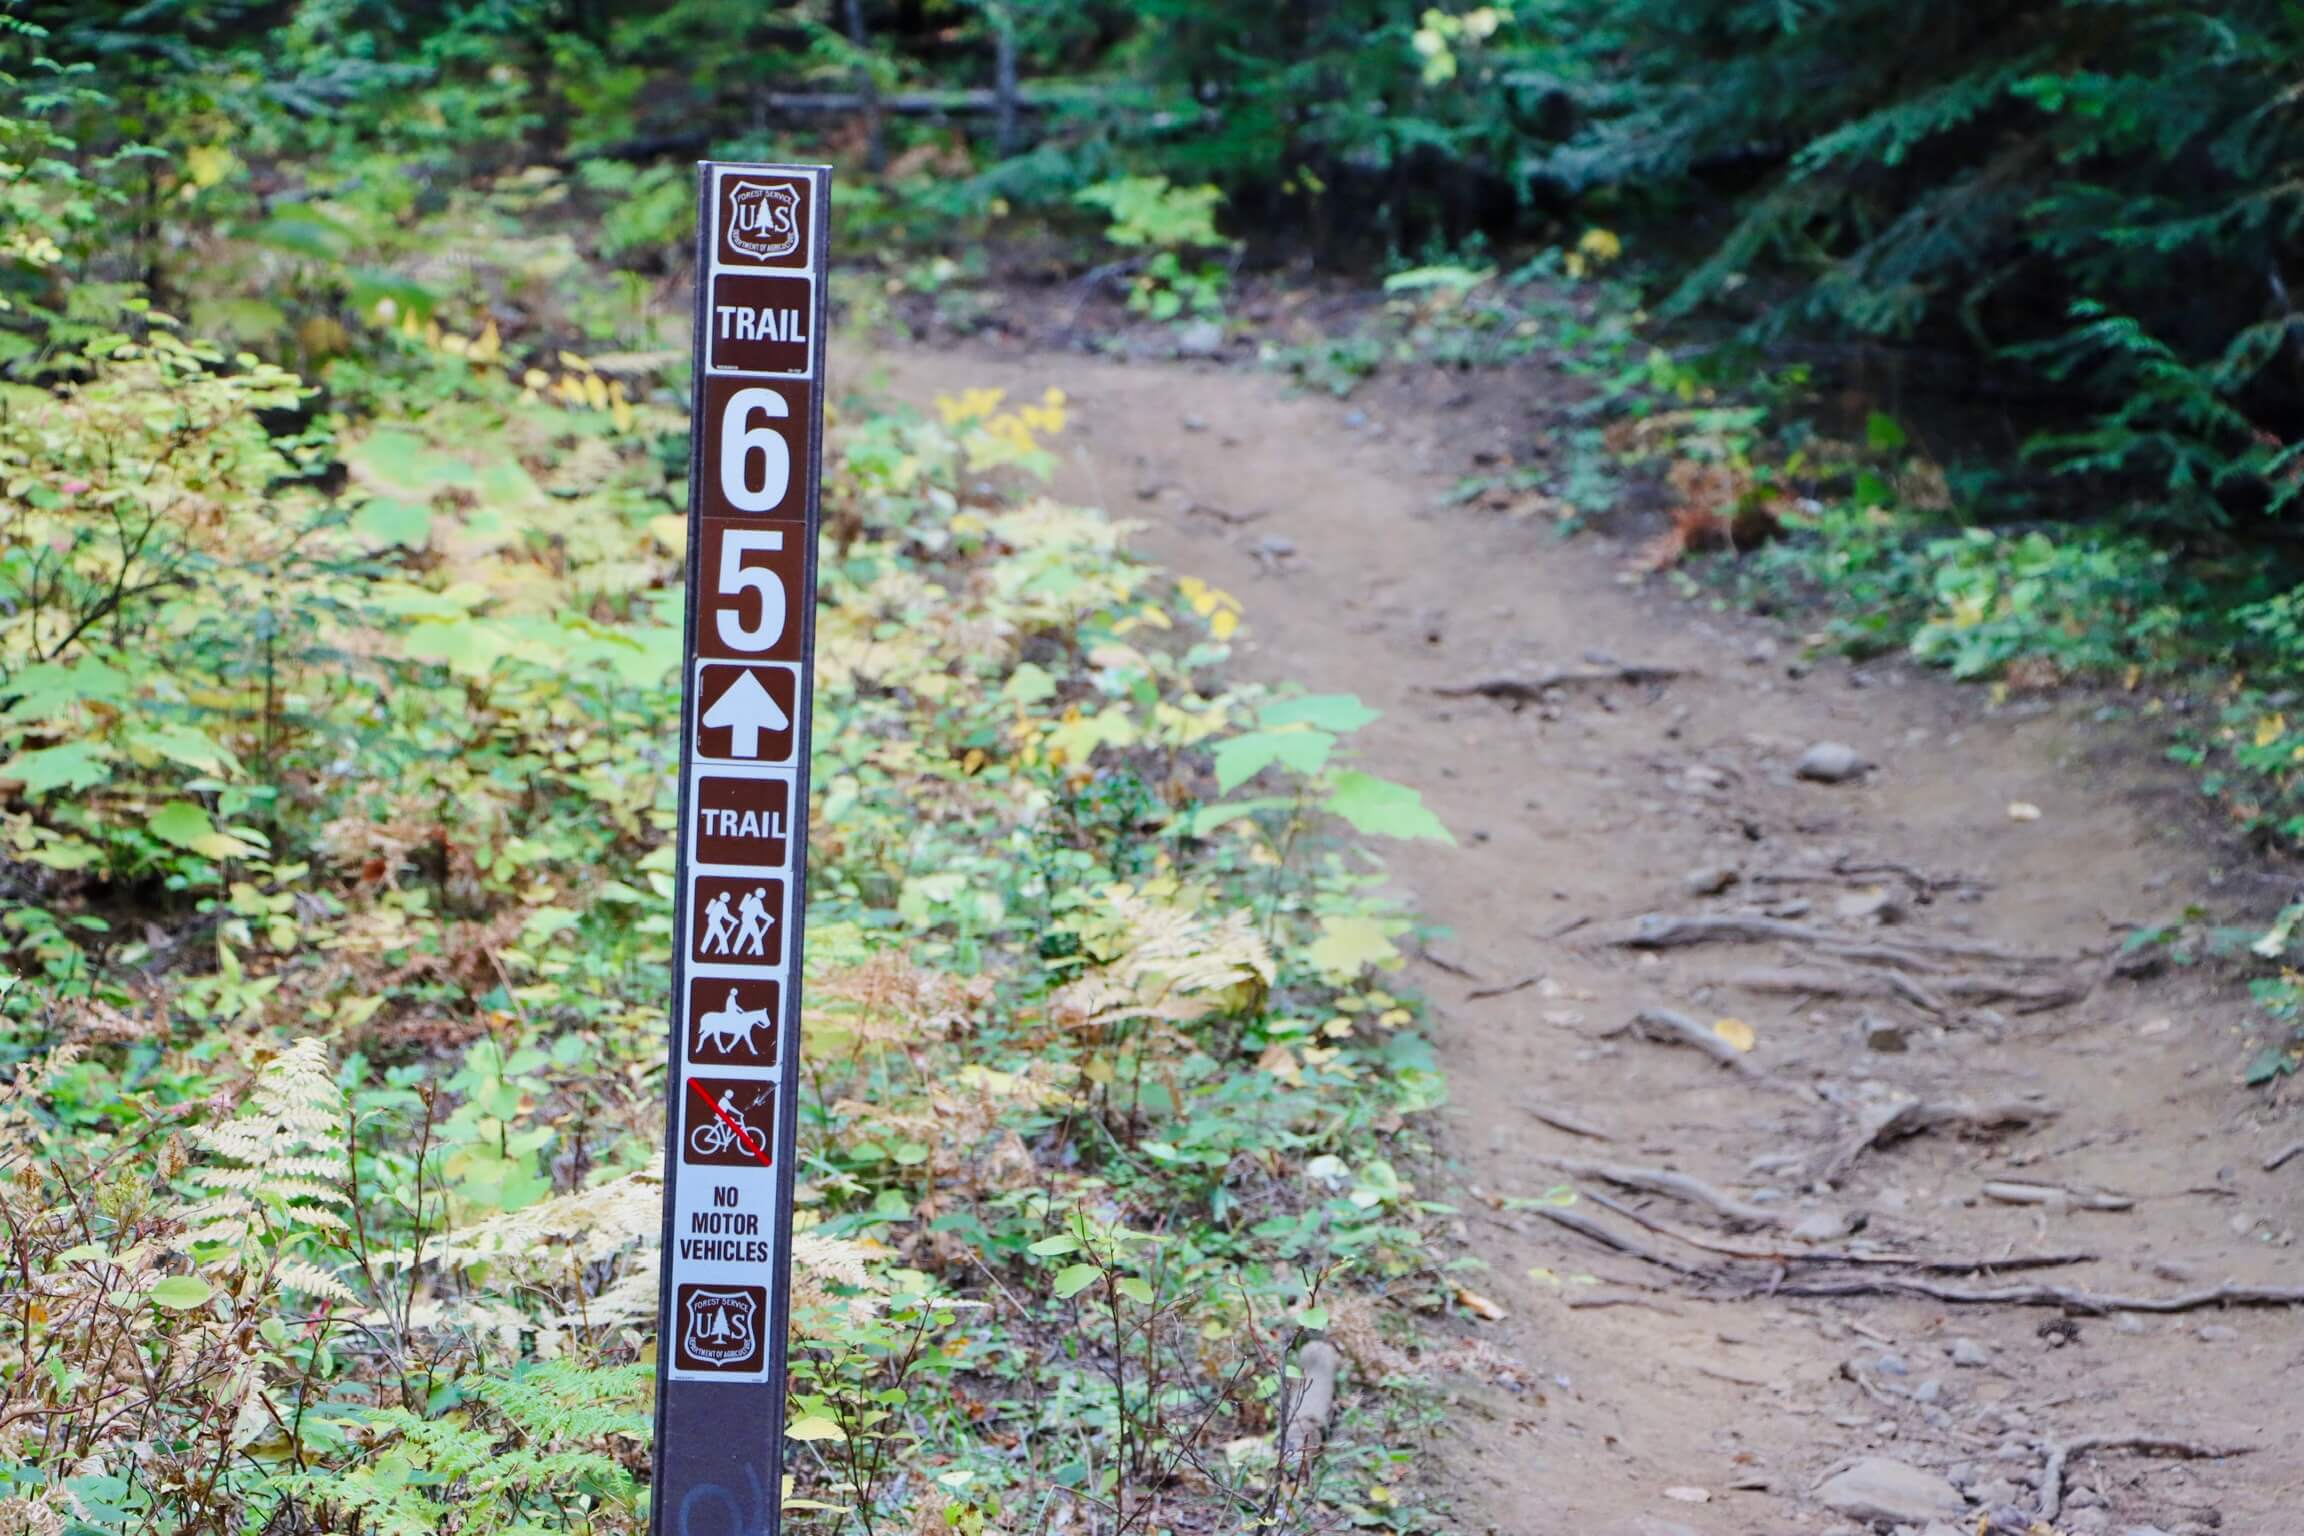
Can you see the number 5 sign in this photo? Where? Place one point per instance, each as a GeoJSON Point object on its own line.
{"type": "Point", "coordinates": [755, 463]}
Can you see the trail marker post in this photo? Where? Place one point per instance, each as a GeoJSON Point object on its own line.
{"type": "Point", "coordinates": [754, 474]}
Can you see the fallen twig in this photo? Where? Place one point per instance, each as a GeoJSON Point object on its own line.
{"type": "Point", "coordinates": [1578, 1301]}
{"type": "Point", "coordinates": [1506, 990]}
{"type": "Point", "coordinates": [1433, 957]}
{"type": "Point", "coordinates": [2273, 1163]}
{"type": "Point", "coordinates": [2012, 1192]}
{"type": "Point", "coordinates": [1527, 690]}
{"type": "Point", "coordinates": [1680, 1186]}
{"type": "Point", "coordinates": [2061, 1452]}
{"type": "Point", "coordinates": [1315, 1402]}
{"type": "Point", "coordinates": [1561, 1120]}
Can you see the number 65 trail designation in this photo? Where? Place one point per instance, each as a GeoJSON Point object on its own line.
{"type": "Point", "coordinates": [756, 455]}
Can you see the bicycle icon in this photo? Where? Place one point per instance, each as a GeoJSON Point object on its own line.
{"type": "Point", "coordinates": [719, 1131]}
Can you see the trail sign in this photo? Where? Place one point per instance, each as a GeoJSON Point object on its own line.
{"type": "Point", "coordinates": [754, 473]}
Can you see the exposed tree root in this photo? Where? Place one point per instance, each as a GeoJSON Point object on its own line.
{"type": "Point", "coordinates": [1585, 1227]}
{"type": "Point", "coordinates": [1679, 930]}
{"type": "Point", "coordinates": [1782, 1254]}
{"type": "Point", "coordinates": [1880, 1124]}
{"type": "Point", "coordinates": [2070, 1298]}
{"type": "Point", "coordinates": [1528, 690]}
{"type": "Point", "coordinates": [2061, 1452]}
{"type": "Point", "coordinates": [1678, 1029]}
{"type": "Point", "coordinates": [1679, 1186]}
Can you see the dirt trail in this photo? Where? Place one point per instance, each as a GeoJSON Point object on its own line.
{"type": "Point", "coordinates": [1596, 804]}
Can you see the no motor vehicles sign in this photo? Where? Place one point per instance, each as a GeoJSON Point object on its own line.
{"type": "Point", "coordinates": [754, 472]}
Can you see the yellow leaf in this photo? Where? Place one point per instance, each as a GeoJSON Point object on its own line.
{"type": "Point", "coordinates": [1600, 246]}
{"type": "Point", "coordinates": [1737, 1033]}
{"type": "Point", "coordinates": [571, 361]}
{"type": "Point", "coordinates": [595, 392]}
{"type": "Point", "coordinates": [2270, 729]}
{"type": "Point", "coordinates": [815, 1427]}
{"type": "Point", "coordinates": [1350, 944]}
{"type": "Point", "coordinates": [488, 346]}
{"type": "Point", "coordinates": [671, 531]}
{"type": "Point", "coordinates": [1223, 624]}
{"type": "Point", "coordinates": [208, 164]}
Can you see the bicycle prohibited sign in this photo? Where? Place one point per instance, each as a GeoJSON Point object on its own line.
{"type": "Point", "coordinates": [754, 484]}
{"type": "Point", "coordinates": [729, 1123]}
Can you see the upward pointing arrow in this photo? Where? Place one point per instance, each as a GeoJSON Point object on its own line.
{"type": "Point", "coordinates": [744, 711]}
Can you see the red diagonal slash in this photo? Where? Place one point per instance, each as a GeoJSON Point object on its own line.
{"type": "Point", "coordinates": [743, 1140]}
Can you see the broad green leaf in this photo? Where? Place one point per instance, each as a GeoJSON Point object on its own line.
{"type": "Point", "coordinates": [401, 463]}
{"type": "Point", "coordinates": [1111, 726]}
{"type": "Point", "coordinates": [1053, 1247]}
{"type": "Point", "coordinates": [1883, 432]}
{"type": "Point", "coordinates": [74, 765]}
{"type": "Point", "coordinates": [389, 520]}
{"type": "Point", "coordinates": [180, 822]}
{"type": "Point", "coordinates": [1382, 808]}
{"type": "Point", "coordinates": [1136, 1288]}
{"type": "Point", "coordinates": [47, 689]}
{"type": "Point", "coordinates": [187, 826]}
{"type": "Point", "coordinates": [181, 1293]}
{"type": "Point", "coordinates": [184, 744]}
{"type": "Point", "coordinates": [1029, 684]}
{"type": "Point", "coordinates": [469, 647]}
{"type": "Point", "coordinates": [2269, 1063]}
{"type": "Point", "coordinates": [1241, 758]}
{"type": "Point", "coordinates": [1342, 713]}
{"type": "Point", "coordinates": [1072, 1279]}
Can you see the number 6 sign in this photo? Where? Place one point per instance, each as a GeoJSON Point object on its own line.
{"type": "Point", "coordinates": [755, 462]}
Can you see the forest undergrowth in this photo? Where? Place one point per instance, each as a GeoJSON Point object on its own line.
{"type": "Point", "coordinates": [337, 739]}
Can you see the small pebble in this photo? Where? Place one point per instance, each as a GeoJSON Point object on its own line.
{"type": "Point", "coordinates": [1968, 1352]}
{"type": "Point", "coordinates": [1830, 762]}
{"type": "Point", "coordinates": [2218, 1333]}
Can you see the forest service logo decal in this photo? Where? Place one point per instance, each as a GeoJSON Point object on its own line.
{"type": "Point", "coordinates": [720, 1328]}
{"type": "Point", "coordinates": [764, 218]}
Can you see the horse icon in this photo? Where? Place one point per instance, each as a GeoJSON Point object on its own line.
{"type": "Point", "coordinates": [725, 1028]}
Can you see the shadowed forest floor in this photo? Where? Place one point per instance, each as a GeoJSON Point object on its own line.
{"type": "Point", "coordinates": [1925, 955]}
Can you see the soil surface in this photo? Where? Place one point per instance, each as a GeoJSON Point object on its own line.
{"type": "Point", "coordinates": [1946, 928]}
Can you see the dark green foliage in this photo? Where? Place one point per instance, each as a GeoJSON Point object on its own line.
{"type": "Point", "coordinates": [2097, 199]}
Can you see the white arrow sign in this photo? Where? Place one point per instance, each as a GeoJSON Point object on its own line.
{"type": "Point", "coordinates": [745, 711]}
